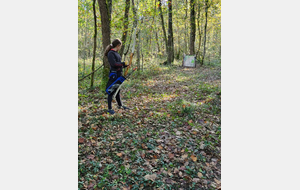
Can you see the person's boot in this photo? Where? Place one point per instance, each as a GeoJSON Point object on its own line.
{"type": "Point", "coordinates": [123, 107]}
{"type": "Point", "coordinates": [111, 111]}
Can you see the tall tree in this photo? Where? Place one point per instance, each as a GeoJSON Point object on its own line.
{"type": "Point", "coordinates": [193, 28]}
{"type": "Point", "coordinates": [95, 43]}
{"type": "Point", "coordinates": [124, 36]}
{"type": "Point", "coordinates": [199, 29]}
{"type": "Point", "coordinates": [105, 39]}
{"type": "Point", "coordinates": [162, 24]}
{"type": "Point", "coordinates": [205, 27]}
{"type": "Point", "coordinates": [170, 36]}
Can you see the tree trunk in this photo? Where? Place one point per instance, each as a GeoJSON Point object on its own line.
{"type": "Point", "coordinates": [170, 36]}
{"type": "Point", "coordinates": [199, 31]}
{"type": "Point", "coordinates": [95, 43]}
{"type": "Point", "coordinates": [185, 29]}
{"type": "Point", "coordinates": [193, 28]}
{"type": "Point", "coordinates": [85, 46]}
{"type": "Point", "coordinates": [124, 36]}
{"type": "Point", "coordinates": [138, 51]}
{"type": "Point", "coordinates": [105, 39]}
{"type": "Point", "coordinates": [157, 42]}
{"type": "Point", "coordinates": [109, 7]}
{"type": "Point", "coordinates": [163, 25]}
{"type": "Point", "coordinates": [205, 27]}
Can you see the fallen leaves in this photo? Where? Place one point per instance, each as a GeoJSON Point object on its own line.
{"type": "Point", "coordinates": [199, 175]}
{"type": "Point", "coordinates": [150, 177]}
{"type": "Point", "coordinates": [184, 156]}
{"type": "Point", "coordinates": [171, 155]}
{"type": "Point", "coordinates": [194, 158]}
{"type": "Point", "coordinates": [81, 140]}
{"type": "Point", "coordinates": [90, 157]}
{"type": "Point", "coordinates": [119, 154]}
{"type": "Point", "coordinates": [160, 134]}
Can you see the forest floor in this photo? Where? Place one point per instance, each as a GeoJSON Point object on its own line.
{"type": "Point", "coordinates": [170, 139]}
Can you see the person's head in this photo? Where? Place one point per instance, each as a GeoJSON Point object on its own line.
{"type": "Point", "coordinates": [116, 44]}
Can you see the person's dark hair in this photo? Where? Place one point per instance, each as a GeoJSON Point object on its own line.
{"type": "Point", "coordinates": [114, 44]}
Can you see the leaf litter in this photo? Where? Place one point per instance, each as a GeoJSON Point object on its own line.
{"type": "Point", "coordinates": [171, 138]}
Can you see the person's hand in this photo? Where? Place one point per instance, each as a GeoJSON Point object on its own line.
{"type": "Point", "coordinates": [125, 65]}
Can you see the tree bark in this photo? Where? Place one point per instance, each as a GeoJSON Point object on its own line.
{"type": "Point", "coordinates": [157, 42]}
{"type": "Point", "coordinates": [199, 31]}
{"type": "Point", "coordinates": [138, 51]}
{"type": "Point", "coordinates": [105, 39]}
{"type": "Point", "coordinates": [170, 36]}
{"type": "Point", "coordinates": [193, 28]}
{"type": "Point", "coordinates": [124, 36]}
{"type": "Point", "coordinates": [205, 27]}
{"type": "Point", "coordinates": [163, 25]}
{"type": "Point", "coordinates": [95, 43]}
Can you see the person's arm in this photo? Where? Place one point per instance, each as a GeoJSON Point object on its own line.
{"type": "Point", "coordinates": [113, 62]}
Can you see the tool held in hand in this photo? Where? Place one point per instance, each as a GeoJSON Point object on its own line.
{"type": "Point", "coordinates": [115, 86]}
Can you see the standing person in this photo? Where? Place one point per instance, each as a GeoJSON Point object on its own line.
{"type": "Point", "coordinates": [116, 67]}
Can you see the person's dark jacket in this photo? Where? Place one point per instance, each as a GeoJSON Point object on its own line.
{"type": "Point", "coordinates": [114, 60]}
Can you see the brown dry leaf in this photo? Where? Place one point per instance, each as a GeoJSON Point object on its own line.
{"type": "Point", "coordinates": [168, 115]}
{"type": "Point", "coordinates": [217, 181]}
{"type": "Point", "coordinates": [171, 155]}
{"type": "Point", "coordinates": [143, 145]}
{"type": "Point", "coordinates": [155, 156]}
{"type": "Point", "coordinates": [95, 128]}
{"type": "Point", "coordinates": [187, 178]}
{"type": "Point", "coordinates": [91, 185]}
{"type": "Point", "coordinates": [184, 156]}
{"type": "Point", "coordinates": [112, 138]}
{"type": "Point", "coordinates": [180, 174]}
{"type": "Point", "coordinates": [200, 175]}
{"type": "Point", "coordinates": [194, 158]}
{"type": "Point", "coordinates": [160, 147]}
{"type": "Point", "coordinates": [143, 155]}
{"type": "Point", "coordinates": [190, 121]}
{"type": "Point", "coordinates": [150, 177]}
{"type": "Point", "coordinates": [194, 132]}
{"type": "Point", "coordinates": [119, 154]}
{"type": "Point", "coordinates": [183, 106]}
{"type": "Point", "coordinates": [112, 144]}
{"type": "Point", "coordinates": [81, 140]}
{"type": "Point", "coordinates": [91, 156]}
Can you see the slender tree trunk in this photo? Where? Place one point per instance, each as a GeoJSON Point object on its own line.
{"type": "Point", "coordinates": [157, 42]}
{"type": "Point", "coordinates": [128, 46]}
{"type": "Point", "coordinates": [186, 29]}
{"type": "Point", "coordinates": [95, 43]}
{"type": "Point", "coordinates": [163, 25]}
{"type": "Point", "coordinates": [199, 32]}
{"type": "Point", "coordinates": [85, 46]}
{"type": "Point", "coordinates": [193, 28]}
{"type": "Point", "coordinates": [124, 36]}
{"type": "Point", "coordinates": [170, 36]}
{"type": "Point", "coordinates": [138, 51]}
{"type": "Point", "coordinates": [105, 39]}
{"type": "Point", "coordinates": [205, 27]}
